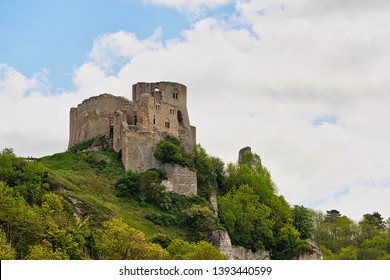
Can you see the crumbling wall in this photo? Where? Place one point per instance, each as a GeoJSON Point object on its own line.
{"type": "Point", "coordinates": [94, 117]}
{"type": "Point", "coordinates": [181, 179]}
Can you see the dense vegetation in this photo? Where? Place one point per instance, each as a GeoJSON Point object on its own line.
{"type": "Point", "coordinates": [86, 206]}
{"type": "Point", "coordinates": [342, 238]}
{"type": "Point", "coordinates": [64, 207]}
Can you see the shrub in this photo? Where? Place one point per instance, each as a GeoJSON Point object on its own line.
{"type": "Point", "coordinates": [162, 219]}
{"type": "Point", "coordinates": [170, 150]}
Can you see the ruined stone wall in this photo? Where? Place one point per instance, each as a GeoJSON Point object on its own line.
{"type": "Point", "coordinates": [181, 180]}
{"type": "Point", "coordinates": [138, 150]}
{"type": "Point", "coordinates": [135, 127]}
{"type": "Point", "coordinates": [94, 117]}
{"type": "Point", "coordinates": [169, 111]}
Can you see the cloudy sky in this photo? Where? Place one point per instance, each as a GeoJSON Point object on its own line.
{"type": "Point", "coordinates": [305, 83]}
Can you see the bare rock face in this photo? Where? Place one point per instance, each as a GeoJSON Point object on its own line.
{"type": "Point", "coordinates": [221, 239]}
{"type": "Point", "coordinates": [315, 254]}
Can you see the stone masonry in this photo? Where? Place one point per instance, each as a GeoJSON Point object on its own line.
{"type": "Point", "coordinates": [135, 127]}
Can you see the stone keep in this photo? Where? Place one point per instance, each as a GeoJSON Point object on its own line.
{"type": "Point", "coordinates": [135, 127]}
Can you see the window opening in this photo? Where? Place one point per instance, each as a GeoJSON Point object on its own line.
{"type": "Point", "coordinates": [179, 116]}
{"type": "Point", "coordinates": [175, 94]}
{"type": "Point", "coordinates": [167, 124]}
{"type": "Point", "coordinates": [111, 131]}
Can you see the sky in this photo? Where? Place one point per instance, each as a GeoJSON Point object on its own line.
{"type": "Point", "coordinates": [304, 83]}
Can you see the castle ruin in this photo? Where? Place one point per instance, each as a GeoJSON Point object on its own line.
{"type": "Point", "coordinates": [135, 127]}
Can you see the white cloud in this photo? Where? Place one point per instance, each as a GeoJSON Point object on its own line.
{"type": "Point", "coordinates": [33, 123]}
{"type": "Point", "coordinates": [262, 84]}
{"type": "Point", "coordinates": [190, 6]}
{"type": "Point", "coordinates": [112, 48]}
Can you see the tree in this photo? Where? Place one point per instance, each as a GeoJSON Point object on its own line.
{"type": "Point", "coordinates": [248, 221]}
{"type": "Point", "coordinates": [118, 241]}
{"type": "Point", "coordinates": [303, 221]}
{"type": "Point", "coordinates": [170, 150]}
{"type": "Point", "coordinates": [182, 250]}
{"type": "Point", "coordinates": [128, 184]}
{"type": "Point", "coordinates": [331, 216]}
{"type": "Point", "coordinates": [45, 251]}
{"type": "Point", "coordinates": [371, 225]}
{"type": "Point", "coordinates": [250, 172]}
{"type": "Point", "coordinates": [219, 171]}
{"type": "Point", "coordinates": [348, 253]}
{"type": "Point", "coordinates": [27, 178]}
{"type": "Point", "coordinates": [23, 224]}
{"type": "Point", "coordinates": [204, 171]}
{"type": "Point", "coordinates": [200, 219]}
{"type": "Point", "coordinates": [6, 250]}
{"type": "Point", "coordinates": [288, 243]}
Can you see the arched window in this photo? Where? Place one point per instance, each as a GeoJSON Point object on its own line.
{"type": "Point", "coordinates": [167, 124]}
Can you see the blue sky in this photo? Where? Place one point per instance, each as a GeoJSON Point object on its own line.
{"type": "Point", "coordinates": [57, 35]}
{"type": "Point", "coordinates": [303, 82]}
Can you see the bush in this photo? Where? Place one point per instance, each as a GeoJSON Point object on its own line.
{"type": "Point", "coordinates": [170, 150]}
{"type": "Point", "coordinates": [200, 219]}
{"type": "Point", "coordinates": [162, 219]}
{"type": "Point", "coordinates": [128, 184]}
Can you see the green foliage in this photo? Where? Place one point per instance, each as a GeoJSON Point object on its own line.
{"type": "Point", "coordinates": [170, 150]}
{"type": "Point", "coordinates": [288, 243]}
{"type": "Point", "coordinates": [6, 250]}
{"type": "Point", "coordinates": [99, 141]}
{"type": "Point", "coordinates": [303, 221]}
{"type": "Point", "coordinates": [371, 225]}
{"type": "Point", "coordinates": [341, 238]}
{"type": "Point", "coordinates": [219, 171]}
{"type": "Point", "coordinates": [37, 221]}
{"type": "Point", "coordinates": [128, 184]}
{"type": "Point", "coordinates": [27, 178]}
{"type": "Point", "coordinates": [162, 239]}
{"type": "Point", "coordinates": [247, 221]}
{"type": "Point", "coordinates": [252, 174]}
{"type": "Point", "coordinates": [348, 253]}
{"type": "Point", "coordinates": [143, 185]}
{"type": "Point", "coordinates": [336, 232]}
{"type": "Point", "coordinates": [200, 219]}
{"type": "Point", "coordinates": [162, 219]}
{"type": "Point", "coordinates": [118, 241]}
{"type": "Point", "coordinates": [182, 250]}
{"type": "Point", "coordinates": [255, 216]}
{"type": "Point", "coordinates": [205, 171]}
{"type": "Point", "coordinates": [45, 251]}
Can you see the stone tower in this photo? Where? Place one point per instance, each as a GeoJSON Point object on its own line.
{"type": "Point", "coordinates": [135, 127]}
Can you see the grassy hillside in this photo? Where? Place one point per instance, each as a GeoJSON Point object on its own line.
{"type": "Point", "coordinates": [87, 182]}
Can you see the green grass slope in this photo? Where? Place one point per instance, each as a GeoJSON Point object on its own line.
{"type": "Point", "coordinates": [87, 182]}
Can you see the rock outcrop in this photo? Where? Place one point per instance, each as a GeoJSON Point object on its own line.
{"type": "Point", "coordinates": [221, 239]}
